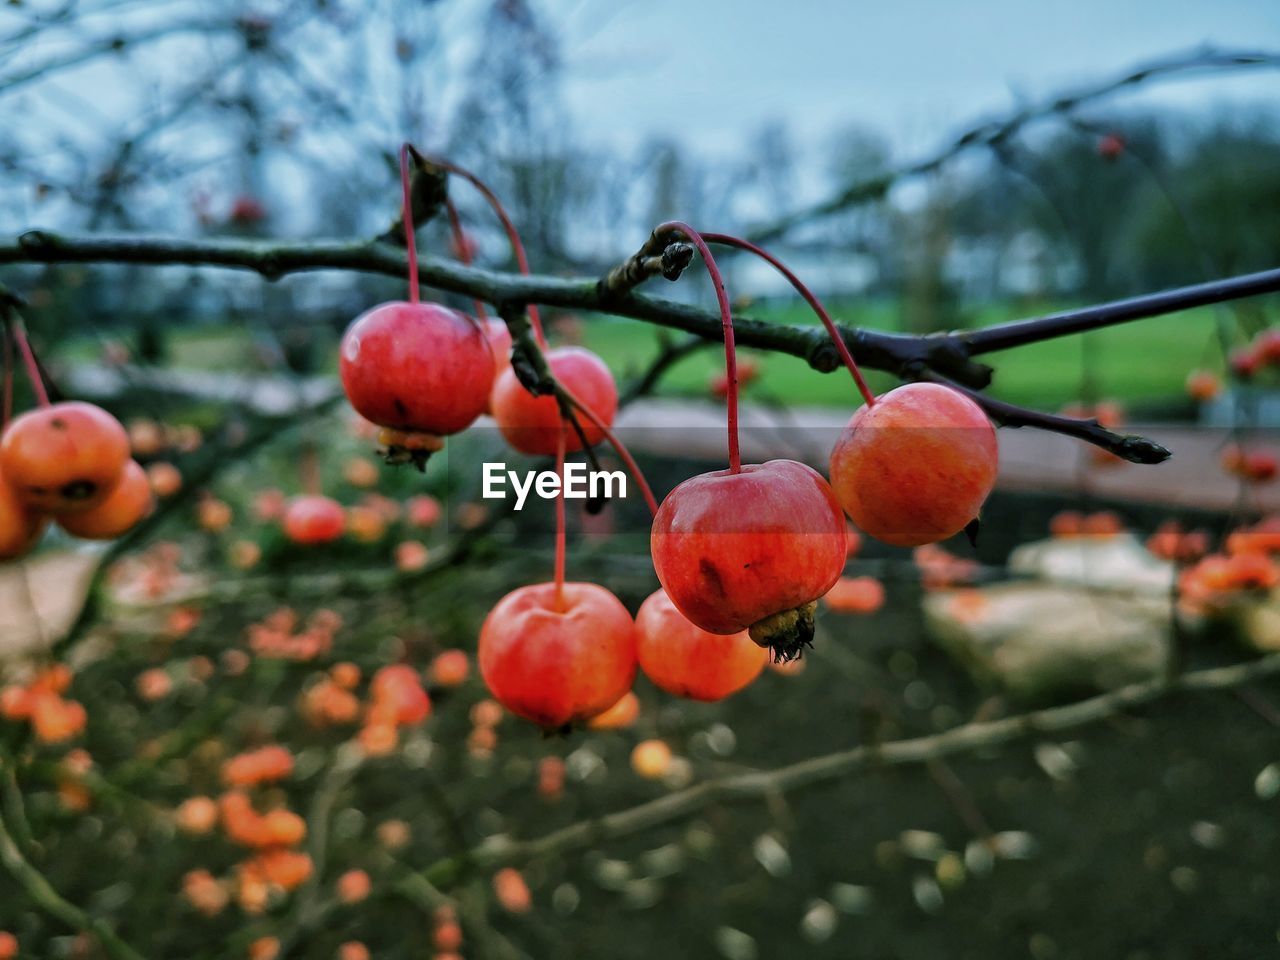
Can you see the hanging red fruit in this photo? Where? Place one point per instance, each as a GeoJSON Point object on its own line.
{"type": "Point", "coordinates": [532, 424]}
{"type": "Point", "coordinates": [751, 550]}
{"type": "Point", "coordinates": [752, 547]}
{"type": "Point", "coordinates": [417, 366]}
{"type": "Point", "coordinates": [20, 526]}
{"type": "Point", "coordinates": [558, 658]}
{"type": "Point", "coordinates": [687, 661]}
{"type": "Point", "coordinates": [915, 467]}
{"type": "Point", "coordinates": [64, 456]}
{"type": "Point", "coordinates": [420, 370]}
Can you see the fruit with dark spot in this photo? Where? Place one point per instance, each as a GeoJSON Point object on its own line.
{"type": "Point", "coordinates": [687, 661]}
{"type": "Point", "coordinates": [128, 503]}
{"type": "Point", "coordinates": [751, 551]}
{"type": "Point", "coordinates": [558, 658]}
{"type": "Point", "coordinates": [65, 456]}
{"type": "Point", "coordinates": [915, 467]}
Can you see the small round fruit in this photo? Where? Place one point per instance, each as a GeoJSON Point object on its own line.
{"type": "Point", "coordinates": [651, 759]}
{"type": "Point", "coordinates": [63, 457]}
{"type": "Point", "coordinates": [417, 366]}
{"type": "Point", "coordinates": [128, 503]}
{"type": "Point", "coordinates": [558, 660]}
{"type": "Point", "coordinates": [20, 526]}
{"type": "Point", "coordinates": [687, 661]}
{"type": "Point", "coordinates": [532, 424]}
{"type": "Point", "coordinates": [915, 467]}
{"type": "Point", "coordinates": [618, 717]}
{"type": "Point", "coordinates": [751, 551]}
{"type": "Point", "coordinates": [1203, 385]}
{"type": "Point", "coordinates": [314, 519]}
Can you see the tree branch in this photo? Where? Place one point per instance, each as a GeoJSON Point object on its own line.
{"type": "Point", "coordinates": [1126, 446]}
{"type": "Point", "coordinates": [942, 357]}
{"type": "Point", "coordinates": [992, 132]}
{"type": "Point", "coordinates": [1018, 333]}
{"type": "Point", "coordinates": [43, 895]}
{"type": "Point", "coordinates": [833, 766]}
{"type": "Point", "coordinates": [892, 352]}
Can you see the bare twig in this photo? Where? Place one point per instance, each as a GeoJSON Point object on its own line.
{"type": "Point", "coordinates": [833, 766]}
{"type": "Point", "coordinates": [990, 132]}
{"type": "Point", "coordinates": [1126, 446]}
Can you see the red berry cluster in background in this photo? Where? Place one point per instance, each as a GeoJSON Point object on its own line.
{"type": "Point", "coordinates": [1261, 353]}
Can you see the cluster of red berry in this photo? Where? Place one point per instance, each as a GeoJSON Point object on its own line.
{"type": "Point", "coordinates": [71, 461]}
{"type": "Point", "coordinates": [742, 554]}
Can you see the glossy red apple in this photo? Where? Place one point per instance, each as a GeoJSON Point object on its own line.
{"type": "Point", "coordinates": [752, 551]}
{"type": "Point", "coordinates": [558, 659]}
{"type": "Point", "coordinates": [532, 424]}
{"type": "Point", "coordinates": [915, 467]}
{"type": "Point", "coordinates": [687, 661]}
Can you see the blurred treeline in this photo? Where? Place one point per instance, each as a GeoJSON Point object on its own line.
{"type": "Point", "coordinates": [280, 119]}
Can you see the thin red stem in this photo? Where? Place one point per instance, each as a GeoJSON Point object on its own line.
{"type": "Point", "coordinates": [29, 360]}
{"type": "Point", "coordinates": [464, 248]}
{"type": "Point", "coordinates": [7, 412]}
{"type": "Point", "coordinates": [513, 235]}
{"type": "Point", "coordinates": [406, 215]}
{"type": "Point", "coordinates": [726, 320]}
{"type": "Point", "coordinates": [560, 519]}
{"type": "Point", "coordinates": [809, 296]}
{"type": "Point", "coordinates": [618, 446]}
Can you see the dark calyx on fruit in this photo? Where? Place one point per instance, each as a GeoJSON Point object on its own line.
{"type": "Point", "coordinates": [786, 634]}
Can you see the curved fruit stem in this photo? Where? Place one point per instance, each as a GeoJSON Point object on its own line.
{"type": "Point", "coordinates": [29, 360]}
{"type": "Point", "coordinates": [560, 519]}
{"type": "Point", "coordinates": [464, 253]}
{"type": "Point", "coordinates": [809, 296]}
{"type": "Point", "coordinates": [7, 411]}
{"type": "Point", "coordinates": [726, 321]}
{"type": "Point", "coordinates": [513, 235]}
{"type": "Point", "coordinates": [406, 216]}
{"type": "Point", "coordinates": [618, 446]}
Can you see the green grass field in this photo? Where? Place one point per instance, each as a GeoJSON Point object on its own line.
{"type": "Point", "coordinates": [1143, 363]}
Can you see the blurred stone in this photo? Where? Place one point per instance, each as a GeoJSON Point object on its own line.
{"type": "Point", "coordinates": [772, 855]}
{"type": "Point", "coordinates": [1055, 761]}
{"type": "Point", "coordinates": [927, 894]}
{"type": "Point", "coordinates": [1039, 640]}
{"type": "Point", "coordinates": [1267, 784]}
{"type": "Point", "coordinates": [1113, 563]}
{"type": "Point", "coordinates": [41, 596]}
{"type": "Point", "coordinates": [1257, 621]}
{"type": "Point", "coordinates": [642, 894]}
{"type": "Point", "coordinates": [922, 844]}
{"type": "Point", "coordinates": [819, 922]}
{"type": "Point", "coordinates": [978, 858]}
{"type": "Point", "coordinates": [851, 897]}
{"type": "Point", "coordinates": [735, 945]}
{"type": "Point", "coordinates": [1014, 845]}
{"type": "Point", "coordinates": [565, 899]}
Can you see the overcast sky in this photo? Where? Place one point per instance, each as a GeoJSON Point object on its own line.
{"type": "Point", "coordinates": [915, 69]}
